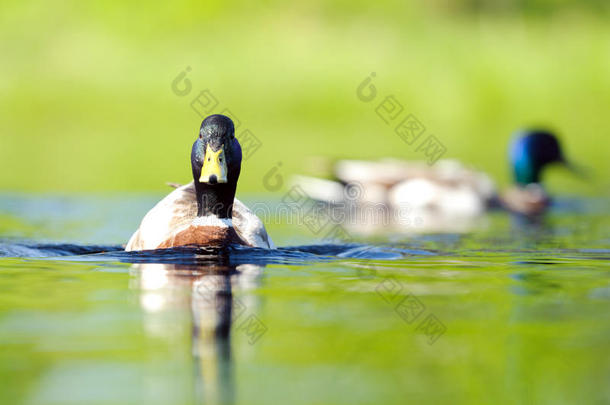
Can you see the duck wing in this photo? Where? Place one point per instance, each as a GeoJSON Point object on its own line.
{"type": "Point", "coordinates": [249, 227]}
{"type": "Point", "coordinates": [175, 211]}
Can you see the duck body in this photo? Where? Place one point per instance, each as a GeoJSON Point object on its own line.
{"type": "Point", "coordinates": [205, 212]}
{"type": "Point", "coordinates": [397, 193]}
{"type": "Point", "coordinates": [399, 184]}
{"type": "Point", "coordinates": [174, 222]}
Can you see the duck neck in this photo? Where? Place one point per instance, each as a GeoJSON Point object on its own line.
{"type": "Point", "coordinates": [215, 199]}
{"type": "Point", "coordinates": [526, 172]}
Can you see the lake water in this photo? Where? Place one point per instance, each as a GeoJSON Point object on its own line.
{"type": "Point", "coordinates": [511, 313]}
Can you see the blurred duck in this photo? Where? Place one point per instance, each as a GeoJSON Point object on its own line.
{"type": "Point", "coordinates": [446, 196]}
{"type": "Point", "coordinates": [205, 212]}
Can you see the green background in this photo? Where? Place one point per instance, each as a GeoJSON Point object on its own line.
{"type": "Point", "coordinates": [87, 104]}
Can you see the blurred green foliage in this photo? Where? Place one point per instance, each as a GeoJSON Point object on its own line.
{"type": "Point", "coordinates": [87, 105]}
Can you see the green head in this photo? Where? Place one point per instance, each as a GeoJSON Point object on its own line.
{"type": "Point", "coordinates": [531, 152]}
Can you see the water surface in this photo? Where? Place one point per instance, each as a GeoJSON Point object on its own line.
{"type": "Point", "coordinates": [510, 313]}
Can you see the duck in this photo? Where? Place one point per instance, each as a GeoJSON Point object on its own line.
{"type": "Point", "coordinates": [446, 196]}
{"type": "Point", "coordinates": [205, 211]}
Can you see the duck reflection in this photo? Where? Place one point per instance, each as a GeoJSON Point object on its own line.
{"type": "Point", "coordinates": [530, 231]}
{"type": "Point", "coordinates": [205, 294]}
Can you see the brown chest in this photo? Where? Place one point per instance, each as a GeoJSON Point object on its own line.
{"type": "Point", "coordinates": [202, 236]}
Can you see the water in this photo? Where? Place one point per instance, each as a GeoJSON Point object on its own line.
{"type": "Point", "coordinates": [511, 313]}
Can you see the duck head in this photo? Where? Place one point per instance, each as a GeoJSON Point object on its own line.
{"type": "Point", "coordinates": [531, 152]}
{"type": "Point", "coordinates": [216, 164]}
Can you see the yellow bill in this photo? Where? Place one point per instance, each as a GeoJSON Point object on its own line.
{"type": "Point", "coordinates": [214, 166]}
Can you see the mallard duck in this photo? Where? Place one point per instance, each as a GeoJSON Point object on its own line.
{"type": "Point", "coordinates": [446, 196]}
{"type": "Point", "coordinates": [205, 212]}
{"type": "Point", "coordinates": [531, 152]}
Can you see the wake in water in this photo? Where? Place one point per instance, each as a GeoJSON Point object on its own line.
{"type": "Point", "coordinates": [232, 255]}
{"type": "Point", "coordinates": [32, 249]}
